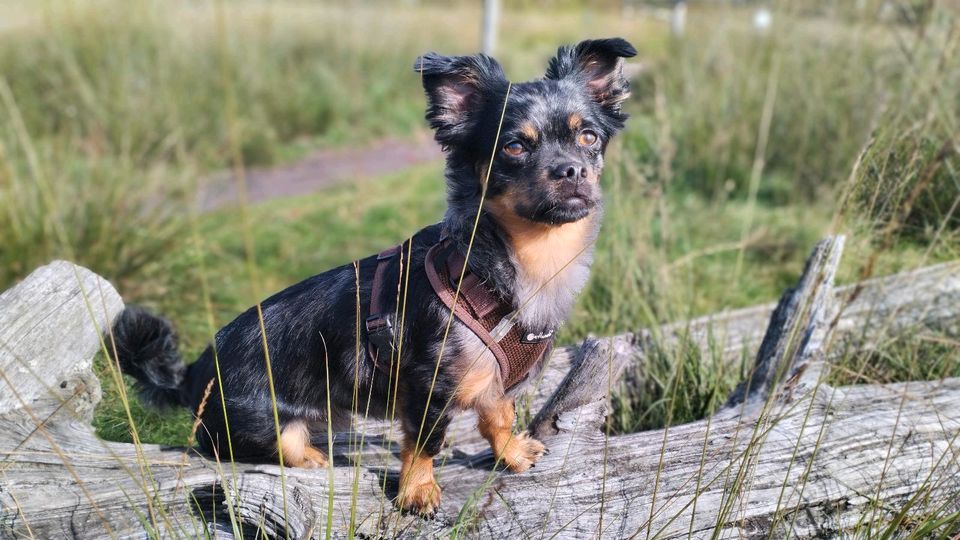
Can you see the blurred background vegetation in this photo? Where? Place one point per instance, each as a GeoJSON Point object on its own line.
{"type": "Point", "coordinates": [746, 145]}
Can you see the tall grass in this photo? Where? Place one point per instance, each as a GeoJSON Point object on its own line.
{"type": "Point", "coordinates": [862, 140]}
{"type": "Point", "coordinates": [113, 111]}
{"type": "Point", "coordinates": [144, 78]}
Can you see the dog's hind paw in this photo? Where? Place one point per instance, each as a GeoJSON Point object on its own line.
{"type": "Point", "coordinates": [313, 459]}
{"type": "Point", "coordinates": [522, 452]}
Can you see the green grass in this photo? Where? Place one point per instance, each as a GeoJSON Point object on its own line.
{"type": "Point", "coordinates": [112, 113]}
{"type": "Point", "coordinates": [927, 357]}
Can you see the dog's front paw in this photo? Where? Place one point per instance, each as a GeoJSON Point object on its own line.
{"type": "Point", "coordinates": [522, 452]}
{"type": "Point", "coordinates": [423, 498]}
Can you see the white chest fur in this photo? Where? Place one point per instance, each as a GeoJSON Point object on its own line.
{"type": "Point", "coordinates": [552, 265]}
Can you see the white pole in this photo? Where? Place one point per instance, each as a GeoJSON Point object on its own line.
{"type": "Point", "coordinates": [491, 12]}
{"type": "Point", "coordinates": [678, 17]}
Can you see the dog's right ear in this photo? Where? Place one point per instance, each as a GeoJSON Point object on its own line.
{"type": "Point", "coordinates": [456, 87]}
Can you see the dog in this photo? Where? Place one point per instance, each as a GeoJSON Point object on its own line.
{"type": "Point", "coordinates": [523, 164]}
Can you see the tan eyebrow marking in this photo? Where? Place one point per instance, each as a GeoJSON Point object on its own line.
{"type": "Point", "coordinates": [575, 121]}
{"type": "Point", "coordinates": [529, 131]}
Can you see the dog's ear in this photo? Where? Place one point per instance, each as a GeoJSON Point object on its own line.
{"type": "Point", "coordinates": [456, 87]}
{"type": "Point", "coordinates": [598, 64]}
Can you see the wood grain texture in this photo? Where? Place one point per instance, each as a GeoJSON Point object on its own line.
{"type": "Point", "coordinates": [812, 459]}
{"type": "Point", "coordinates": [49, 332]}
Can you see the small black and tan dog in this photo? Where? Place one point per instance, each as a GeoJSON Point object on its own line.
{"type": "Point", "coordinates": [524, 209]}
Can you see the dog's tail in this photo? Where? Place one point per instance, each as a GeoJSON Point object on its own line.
{"type": "Point", "coordinates": [146, 349]}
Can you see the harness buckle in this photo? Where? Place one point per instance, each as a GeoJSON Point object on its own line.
{"type": "Point", "coordinates": [380, 331]}
{"type": "Point", "coordinates": [503, 327]}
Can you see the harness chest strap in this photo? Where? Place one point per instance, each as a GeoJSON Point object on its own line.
{"type": "Point", "coordinates": [492, 320]}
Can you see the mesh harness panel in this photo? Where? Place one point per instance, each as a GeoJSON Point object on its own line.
{"type": "Point", "coordinates": [491, 319]}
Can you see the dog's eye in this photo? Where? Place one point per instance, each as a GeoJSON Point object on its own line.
{"type": "Point", "coordinates": [586, 138]}
{"type": "Point", "coordinates": [514, 148]}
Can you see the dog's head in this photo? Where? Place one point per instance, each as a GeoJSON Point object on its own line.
{"type": "Point", "coordinates": [545, 165]}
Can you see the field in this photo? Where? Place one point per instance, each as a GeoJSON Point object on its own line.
{"type": "Point", "coordinates": [743, 149]}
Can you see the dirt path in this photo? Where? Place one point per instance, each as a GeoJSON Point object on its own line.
{"type": "Point", "coordinates": [319, 170]}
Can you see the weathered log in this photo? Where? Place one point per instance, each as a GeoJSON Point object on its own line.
{"type": "Point", "coordinates": [802, 457]}
{"type": "Point", "coordinates": [801, 324]}
{"type": "Point", "coordinates": [889, 306]}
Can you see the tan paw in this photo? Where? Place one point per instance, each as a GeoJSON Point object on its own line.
{"type": "Point", "coordinates": [422, 498]}
{"type": "Point", "coordinates": [313, 459]}
{"type": "Point", "coordinates": [522, 452]}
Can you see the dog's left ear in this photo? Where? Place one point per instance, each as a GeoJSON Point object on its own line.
{"type": "Point", "coordinates": [456, 87]}
{"type": "Point", "coordinates": [598, 64]}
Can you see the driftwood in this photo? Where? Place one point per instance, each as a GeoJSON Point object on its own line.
{"type": "Point", "coordinates": [787, 453]}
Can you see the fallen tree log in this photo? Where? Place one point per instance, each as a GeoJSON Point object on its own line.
{"type": "Point", "coordinates": [886, 307]}
{"type": "Point", "coordinates": [787, 453]}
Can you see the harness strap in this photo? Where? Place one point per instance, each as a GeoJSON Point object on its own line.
{"type": "Point", "coordinates": [472, 290]}
{"type": "Point", "coordinates": [491, 319]}
{"type": "Point", "coordinates": [476, 306]}
{"type": "Point", "coordinates": [380, 323]}
{"type": "Point", "coordinates": [446, 294]}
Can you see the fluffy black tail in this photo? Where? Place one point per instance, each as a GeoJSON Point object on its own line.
{"type": "Point", "coordinates": [146, 347]}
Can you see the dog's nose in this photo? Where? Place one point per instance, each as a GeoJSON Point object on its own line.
{"type": "Point", "coordinates": [568, 171]}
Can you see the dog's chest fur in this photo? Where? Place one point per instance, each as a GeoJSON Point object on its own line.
{"type": "Point", "coordinates": [552, 266]}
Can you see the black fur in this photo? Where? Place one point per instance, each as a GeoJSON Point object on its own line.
{"type": "Point", "coordinates": [460, 91]}
{"type": "Point", "coordinates": [311, 326]}
{"type": "Point", "coordinates": [147, 350]}
{"type": "Point", "coordinates": [597, 64]}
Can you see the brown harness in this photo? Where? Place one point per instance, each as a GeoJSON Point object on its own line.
{"type": "Point", "coordinates": [491, 319]}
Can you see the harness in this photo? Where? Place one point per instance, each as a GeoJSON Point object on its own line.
{"type": "Point", "coordinates": [481, 310]}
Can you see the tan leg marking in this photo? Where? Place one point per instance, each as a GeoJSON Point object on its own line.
{"type": "Point", "coordinates": [296, 448]}
{"type": "Point", "coordinates": [519, 452]}
{"type": "Point", "coordinates": [419, 491]}
{"type": "Point", "coordinates": [480, 384]}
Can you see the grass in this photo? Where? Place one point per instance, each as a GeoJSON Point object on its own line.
{"type": "Point", "coordinates": [743, 150]}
